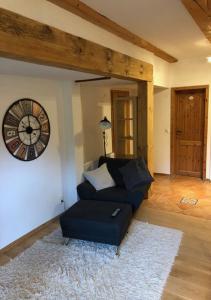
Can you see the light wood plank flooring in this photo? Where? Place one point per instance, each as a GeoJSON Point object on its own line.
{"type": "Point", "coordinates": [167, 192]}
{"type": "Point", "coordinates": [190, 277]}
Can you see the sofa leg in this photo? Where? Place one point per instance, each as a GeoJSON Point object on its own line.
{"type": "Point", "coordinates": [66, 241]}
{"type": "Point", "coordinates": [118, 251]}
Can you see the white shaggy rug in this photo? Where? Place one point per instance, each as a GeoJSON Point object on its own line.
{"type": "Point", "coordinates": [91, 271]}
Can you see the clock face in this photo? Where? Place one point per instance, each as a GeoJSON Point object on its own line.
{"type": "Point", "coordinates": [26, 129]}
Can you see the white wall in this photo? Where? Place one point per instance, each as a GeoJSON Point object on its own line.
{"type": "Point", "coordinates": [162, 130]}
{"type": "Point", "coordinates": [189, 72]}
{"type": "Point", "coordinates": [78, 132]}
{"type": "Point", "coordinates": [161, 72]}
{"type": "Point", "coordinates": [70, 121]}
{"type": "Point", "coordinates": [31, 191]}
{"type": "Point", "coordinates": [96, 103]}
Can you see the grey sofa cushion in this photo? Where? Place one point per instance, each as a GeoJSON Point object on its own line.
{"type": "Point", "coordinates": [100, 178]}
{"type": "Point", "coordinates": [113, 165]}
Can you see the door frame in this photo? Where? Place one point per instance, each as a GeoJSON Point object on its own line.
{"type": "Point", "coordinates": [173, 124]}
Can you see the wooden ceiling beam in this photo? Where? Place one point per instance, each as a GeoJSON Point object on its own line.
{"type": "Point", "coordinates": [28, 40]}
{"type": "Point", "coordinates": [200, 10]}
{"type": "Point", "coordinates": [84, 11]}
{"type": "Point", "coordinates": [205, 5]}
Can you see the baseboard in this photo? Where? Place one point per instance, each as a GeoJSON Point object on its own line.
{"type": "Point", "coordinates": [170, 175]}
{"type": "Point", "coordinates": [27, 235]}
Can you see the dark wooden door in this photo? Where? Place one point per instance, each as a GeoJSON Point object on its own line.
{"type": "Point", "coordinates": [189, 117]}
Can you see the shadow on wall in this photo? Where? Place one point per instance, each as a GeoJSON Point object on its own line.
{"type": "Point", "coordinates": [93, 135]}
{"type": "Point", "coordinates": [96, 103]}
{"type": "Point", "coordinates": [78, 139]}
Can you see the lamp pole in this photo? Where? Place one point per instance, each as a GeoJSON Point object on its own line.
{"type": "Point", "coordinates": [104, 142]}
{"type": "Point", "coordinates": [104, 125]}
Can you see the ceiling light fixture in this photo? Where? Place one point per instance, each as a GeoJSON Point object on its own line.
{"type": "Point", "coordinates": [209, 59]}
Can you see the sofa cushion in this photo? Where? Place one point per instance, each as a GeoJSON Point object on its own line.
{"type": "Point", "coordinates": [114, 194]}
{"type": "Point", "coordinates": [100, 178]}
{"type": "Point", "coordinates": [121, 195]}
{"type": "Point", "coordinates": [113, 165]}
{"type": "Point", "coordinates": [135, 173]}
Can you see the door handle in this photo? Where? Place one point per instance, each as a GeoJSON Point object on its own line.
{"type": "Point", "coordinates": [178, 131]}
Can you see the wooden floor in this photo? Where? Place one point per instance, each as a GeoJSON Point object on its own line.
{"type": "Point", "coordinates": [167, 193]}
{"type": "Point", "coordinates": [190, 277]}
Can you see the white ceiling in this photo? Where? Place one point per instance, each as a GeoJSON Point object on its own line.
{"type": "Point", "coordinates": [165, 23]}
{"type": "Point", "coordinates": [15, 67]}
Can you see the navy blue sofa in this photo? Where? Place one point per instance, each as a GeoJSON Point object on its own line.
{"type": "Point", "coordinates": [114, 194]}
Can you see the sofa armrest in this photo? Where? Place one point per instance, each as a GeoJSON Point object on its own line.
{"type": "Point", "coordinates": [143, 189]}
{"type": "Point", "coordinates": [137, 195]}
{"type": "Point", "coordinates": [85, 190]}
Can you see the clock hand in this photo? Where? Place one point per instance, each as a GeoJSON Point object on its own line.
{"type": "Point", "coordinates": [25, 130]}
{"type": "Point", "coordinates": [23, 124]}
{"type": "Point", "coordinates": [29, 120]}
{"type": "Point", "coordinates": [30, 139]}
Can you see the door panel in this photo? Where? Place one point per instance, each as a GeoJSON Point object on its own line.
{"type": "Point", "coordinates": [189, 132]}
{"type": "Point", "coordinates": [124, 119]}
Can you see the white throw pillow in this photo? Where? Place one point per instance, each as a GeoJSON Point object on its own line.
{"type": "Point", "coordinates": [100, 178]}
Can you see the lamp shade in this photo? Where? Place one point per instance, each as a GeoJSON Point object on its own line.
{"type": "Point", "coordinates": [105, 124]}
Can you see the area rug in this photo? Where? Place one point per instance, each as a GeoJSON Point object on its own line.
{"type": "Point", "coordinates": [91, 271]}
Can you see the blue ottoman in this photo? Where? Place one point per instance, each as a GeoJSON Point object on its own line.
{"type": "Point", "coordinates": [91, 220]}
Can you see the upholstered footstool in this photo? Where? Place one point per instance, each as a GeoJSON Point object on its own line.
{"type": "Point", "coordinates": [92, 220]}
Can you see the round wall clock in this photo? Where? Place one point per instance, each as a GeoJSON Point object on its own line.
{"type": "Point", "coordinates": [26, 129]}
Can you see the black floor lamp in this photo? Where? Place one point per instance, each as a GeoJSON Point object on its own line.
{"type": "Point", "coordinates": [104, 125]}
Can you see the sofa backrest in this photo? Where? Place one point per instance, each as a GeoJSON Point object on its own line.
{"type": "Point", "coordinates": [113, 165]}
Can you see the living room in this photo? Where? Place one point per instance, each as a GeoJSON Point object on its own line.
{"type": "Point", "coordinates": [75, 96]}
